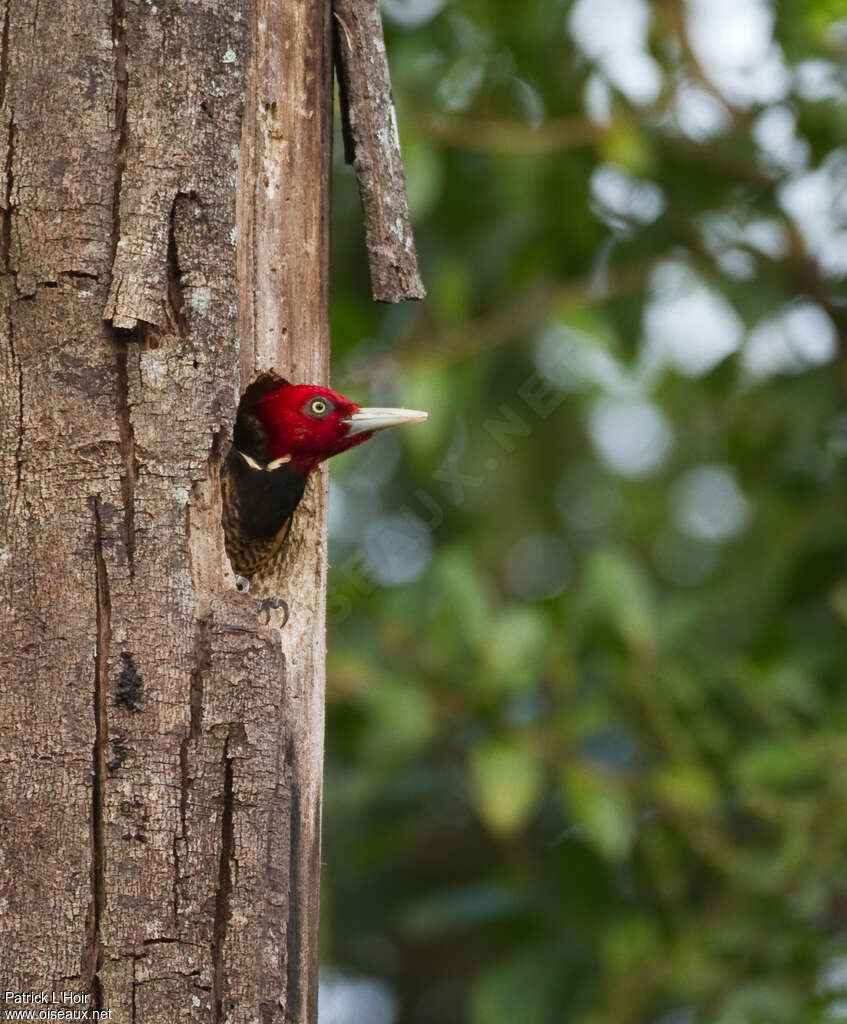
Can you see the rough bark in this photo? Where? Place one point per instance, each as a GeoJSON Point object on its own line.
{"type": "Point", "coordinates": [161, 738]}
{"type": "Point", "coordinates": [372, 146]}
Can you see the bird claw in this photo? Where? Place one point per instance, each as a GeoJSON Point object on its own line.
{"type": "Point", "coordinates": [269, 604]}
{"type": "Point", "coordinates": [266, 605]}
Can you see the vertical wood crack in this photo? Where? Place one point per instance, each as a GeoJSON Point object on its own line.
{"type": "Point", "coordinates": [126, 434]}
{"type": "Point", "coordinates": [125, 428]}
{"type": "Point", "coordinates": [93, 947]}
{"type": "Point", "coordinates": [223, 893]}
{"type": "Point", "coordinates": [175, 304]}
{"type": "Point", "coordinates": [120, 127]}
{"type": "Point", "coordinates": [134, 987]}
{"type": "Point", "coordinates": [7, 205]}
{"type": "Point", "coordinates": [16, 363]}
{"type": "Point", "coordinates": [202, 665]}
{"type": "Point", "coordinates": [294, 929]}
{"type": "Point", "coordinates": [4, 54]}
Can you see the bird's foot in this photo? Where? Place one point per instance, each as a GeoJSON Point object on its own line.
{"type": "Point", "coordinates": [269, 604]}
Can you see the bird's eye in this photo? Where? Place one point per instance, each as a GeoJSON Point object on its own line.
{"type": "Point", "coordinates": [318, 407]}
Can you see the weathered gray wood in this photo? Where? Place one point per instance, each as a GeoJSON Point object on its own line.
{"type": "Point", "coordinates": [282, 219]}
{"type": "Point", "coordinates": [372, 146]}
{"type": "Point", "coordinates": [160, 739]}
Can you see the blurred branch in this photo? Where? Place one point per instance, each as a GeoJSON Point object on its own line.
{"type": "Point", "coordinates": [676, 13]}
{"type": "Point", "coordinates": [517, 139]}
{"type": "Point", "coordinates": [709, 157]}
{"type": "Point", "coordinates": [511, 137]}
{"type": "Point", "coordinates": [807, 276]}
{"type": "Point", "coordinates": [508, 323]}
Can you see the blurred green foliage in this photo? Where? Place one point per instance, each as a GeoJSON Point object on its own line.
{"type": "Point", "coordinates": [586, 754]}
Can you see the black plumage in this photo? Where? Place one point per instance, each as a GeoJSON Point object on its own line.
{"type": "Point", "coordinates": [257, 501]}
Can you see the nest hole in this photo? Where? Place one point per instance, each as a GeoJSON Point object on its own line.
{"type": "Point", "coordinates": [246, 435]}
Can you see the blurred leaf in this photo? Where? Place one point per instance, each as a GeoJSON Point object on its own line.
{"type": "Point", "coordinates": [459, 908]}
{"type": "Point", "coordinates": [529, 988]}
{"type": "Point", "coordinates": [632, 943]}
{"type": "Point", "coordinates": [462, 594]}
{"type": "Point", "coordinates": [587, 319]}
{"type": "Point", "coordinates": [627, 145]}
{"type": "Point", "coordinates": [424, 174]}
{"type": "Point", "coordinates": [614, 590]}
{"type": "Point", "coordinates": [687, 788]}
{"type": "Point", "coordinates": [821, 14]}
{"type": "Point", "coordinates": [793, 685]}
{"type": "Point", "coordinates": [400, 716]}
{"type": "Point", "coordinates": [760, 1002]}
{"type": "Point", "coordinates": [426, 389]}
{"type": "Point", "coordinates": [776, 763]}
{"type": "Point", "coordinates": [451, 293]}
{"type": "Point", "coordinates": [601, 808]}
{"type": "Point", "coordinates": [513, 647]}
{"type": "Point", "coordinates": [838, 599]}
{"type": "Point", "coordinates": [506, 782]}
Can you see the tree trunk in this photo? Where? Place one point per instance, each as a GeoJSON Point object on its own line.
{"type": "Point", "coordinates": [164, 241]}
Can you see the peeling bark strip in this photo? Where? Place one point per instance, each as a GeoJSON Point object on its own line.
{"type": "Point", "coordinates": [373, 147]}
{"type": "Point", "coordinates": [155, 122]}
{"type": "Point", "coordinates": [167, 163]}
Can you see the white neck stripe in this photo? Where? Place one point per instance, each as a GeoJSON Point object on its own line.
{"type": "Point", "coordinates": [270, 467]}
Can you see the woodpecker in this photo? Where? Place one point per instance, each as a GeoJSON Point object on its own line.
{"type": "Point", "coordinates": [279, 438]}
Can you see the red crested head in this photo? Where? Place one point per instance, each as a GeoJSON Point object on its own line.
{"type": "Point", "coordinates": [310, 424]}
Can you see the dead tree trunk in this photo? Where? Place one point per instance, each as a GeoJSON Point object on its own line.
{"type": "Point", "coordinates": [160, 737]}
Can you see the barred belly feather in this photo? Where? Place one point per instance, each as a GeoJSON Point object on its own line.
{"type": "Point", "coordinates": [258, 503]}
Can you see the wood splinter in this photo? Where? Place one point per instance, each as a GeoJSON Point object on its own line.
{"type": "Point", "coordinates": [372, 146]}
